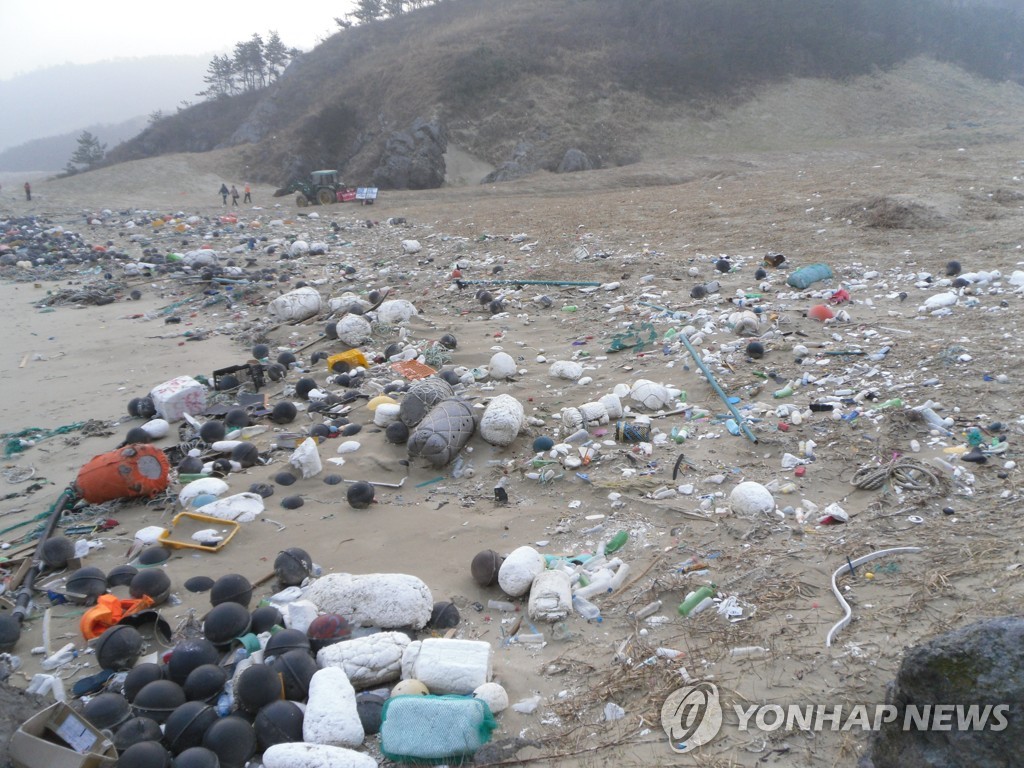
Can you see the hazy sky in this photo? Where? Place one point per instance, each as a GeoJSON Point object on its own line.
{"type": "Point", "coordinates": [42, 33]}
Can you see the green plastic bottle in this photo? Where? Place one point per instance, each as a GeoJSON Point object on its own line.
{"type": "Point", "coordinates": [616, 543]}
{"type": "Point", "coordinates": [696, 599]}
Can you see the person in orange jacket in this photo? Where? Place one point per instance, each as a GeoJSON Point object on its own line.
{"type": "Point", "coordinates": [248, 194]}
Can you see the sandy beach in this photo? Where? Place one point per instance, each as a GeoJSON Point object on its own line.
{"type": "Point", "coordinates": [886, 216]}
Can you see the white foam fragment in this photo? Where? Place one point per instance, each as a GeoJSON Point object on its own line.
{"type": "Point", "coordinates": [448, 665]}
{"type": "Point", "coordinates": [368, 661]}
{"type": "Point", "coordinates": [300, 754]}
{"type": "Point", "coordinates": [331, 715]}
{"type": "Point", "coordinates": [386, 600]}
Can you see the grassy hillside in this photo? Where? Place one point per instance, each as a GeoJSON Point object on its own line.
{"type": "Point", "coordinates": [550, 75]}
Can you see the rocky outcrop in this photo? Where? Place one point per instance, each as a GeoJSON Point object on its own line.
{"type": "Point", "coordinates": [524, 162]}
{"type": "Point", "coordinates": [413, 159]}
{"type": "Point", "coordinates": [575, 160]}
{"type": "Point", "coordinates": [981, 664]}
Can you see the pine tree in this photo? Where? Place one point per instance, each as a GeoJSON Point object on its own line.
{"type": "Point", "coordinates": [276, 55]}
{"type": "Point", "coordinates": [89, 152]}
{"type": "Point", "coordinates": [367, 11]}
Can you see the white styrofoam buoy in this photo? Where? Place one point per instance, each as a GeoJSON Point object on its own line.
{"type": "Point", "coordinates": [396, 311]}
{"type": "Point", "coordinates": [502, 421]}
{"type": "Point", "coordinates": [750, 498]}
{"type": "Point", "coordinates": [300, 304]}
{"type": "Point", "coordinates": [520, 568]}
{"type": "Point", "coordinates": [493, 695]}
{"type": "Point", "coordinates": [566, 369]}
{"type": "Point", "coordinates": [502, 366]}
{"type": "Point", "coordinates": [353, 330]}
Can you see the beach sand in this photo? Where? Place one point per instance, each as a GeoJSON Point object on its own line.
{"type": "Point", "coordinates": [657, 230]}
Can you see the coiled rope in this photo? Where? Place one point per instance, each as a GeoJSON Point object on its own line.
{"type": "Point", "coordinates": [907, 474]}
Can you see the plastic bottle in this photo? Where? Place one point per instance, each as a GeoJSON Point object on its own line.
{"type": "Point", "coordinates": [786, 391]}
{"type": "Point", "coordinates": [617, 542]}
{"type": "Point", "coordinates": [501, 605]}
{"type": "Point", "coordinates": [748, 652]}
{"type": "Point", "coordinates": [648, 610]}
{"type": "Point", "coordinates": [601, 585]}
{"type": "Point", "coordinates": [63, 656]}
{"type": "Point", "coordinates": [620, 577]}
{"type": "Point", "coordinates": [893, 403]}
{"type": "Point", "coordinates": [586, 609]}
{"type": "Point", "coordinates": [696, 598]}
{"type": "Point", "coordinates": [570, 308]}
{"type": "Point", "coordinates": [531, 639]}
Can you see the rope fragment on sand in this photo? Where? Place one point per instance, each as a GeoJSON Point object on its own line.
{"type": "Point", "coordinates": [849, 565]}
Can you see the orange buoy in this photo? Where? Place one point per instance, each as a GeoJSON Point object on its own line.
{"type": "Point", "coordinates": [820, 312]}
{"type": "Point", "coordinates": [129, 472]}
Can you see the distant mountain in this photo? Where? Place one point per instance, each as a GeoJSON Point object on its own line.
{"type": "Point", "coordinates": [52, 153]}
{"type": "Point", "coordinates": [53, 101]}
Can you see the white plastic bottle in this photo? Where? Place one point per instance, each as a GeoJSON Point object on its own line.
{"type": "Point", "coordinates": [586, 609]}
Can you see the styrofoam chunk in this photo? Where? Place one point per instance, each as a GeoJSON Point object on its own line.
{"type": "Point", "coordinates": [331, 714]}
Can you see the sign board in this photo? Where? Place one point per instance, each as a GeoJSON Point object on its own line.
{"type": "Point", "coordinates": [366, 193]}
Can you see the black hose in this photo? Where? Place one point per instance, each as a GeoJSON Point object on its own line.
{"type": "Point", "coordinates": [24, 595]}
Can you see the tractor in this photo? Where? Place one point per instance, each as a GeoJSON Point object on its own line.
{"type": "Point", "coordinates": [323, 188]}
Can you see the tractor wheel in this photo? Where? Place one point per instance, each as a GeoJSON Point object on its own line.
{"type": "Point", "coordinates": [326, 196]}
{"type": "Point", "coordinates": [301, 201]}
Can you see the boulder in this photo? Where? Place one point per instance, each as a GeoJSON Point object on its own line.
{"type": "Point", "coordinates": [980, 664]}
{"type": "Point", "coordinates": [575, 160]}
{"type": "Point", "coordinates": [414, 159]}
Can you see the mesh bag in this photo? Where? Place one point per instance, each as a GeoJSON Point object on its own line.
{"type": "Point", "coordinates": [443, 432]}
{"type": "Point", "coordinates": [421, 397]}
{"type": "Point", "coordinates": [434, 729]}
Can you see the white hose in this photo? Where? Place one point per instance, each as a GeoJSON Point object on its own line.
{"type": "Point", "coordinates": [854, 564]}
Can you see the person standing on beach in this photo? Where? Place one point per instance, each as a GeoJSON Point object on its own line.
{"type": "Point", "coordinates": [28, 191]}
{"type": "Point", "coordinates": [248, 194]}
{"type": "Point", "coordinates": [224, 193]}
{"type": "Point", "coordinates": [234, 195]}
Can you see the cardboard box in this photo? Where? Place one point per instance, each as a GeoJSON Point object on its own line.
{"type": "Point", "coordinates": [59, 737]}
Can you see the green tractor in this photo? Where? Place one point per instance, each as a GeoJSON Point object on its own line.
{"type": "Point", "coordinates": [323, 188]}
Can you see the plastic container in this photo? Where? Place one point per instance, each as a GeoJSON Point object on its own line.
{"type": "Point", "coordinates": [586, 609]}
{"type": "Point", "coordinates": [501, 605]}
{"type": "Point", "coordinates": [695, 598]}
{"type": "Point", "coordinates": [352, 357]}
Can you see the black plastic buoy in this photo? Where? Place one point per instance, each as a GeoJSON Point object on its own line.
{"type": "Point", "coordinates": [264, 618]}
{"type": "Point", "coordinates": [107, 710]}
{"type": "Point", "coordinates": [284, 641]}
{"type": "Point", "coordinates": [225, 622]}
{"type": "Point", "coordinates": [257, 686]}
{"type": "Point", "coordinates": [121, 575]}
{"type": "Point", "coordinates": [444, 616]}
{"type": "Point", "coordinates": [197, 757]}
{"type": "Point", "coordinates": [212, 431]}
{"type": "Point", "coordinates": [118, 648]}
{"type": "Point", "coordinates": [370, 708]}
{"type": "Point", "coordinates": [158, 699]}
{"type": "Point", "coordinates": [279, 722]}
{"type": "Point", "coordinates": [232, 739]}
{"type": "Point", "coordinates": [139, 677]}
{"type": "Point", "coordinates": [137, 729]}
{"type": "Point", "coordinates": [56, 551]}
{"type": "Point", "coordinates": [153, 583]}
{"type": "Point", "coordinates": [205, 682]}
{"type": "Point", "coordinates": [189, 654]}
{"type": "Point", "coordinates": [485, 567]}
{"type": "Point", "coordinates": [187, 724]}
{"type": "Point", "coordinates": [284, 412]}
{"type": "Point", "coordinates": [292, 566]}
{"type": "Point", "coordinates": [296, 669]}
{"type": "Point", "coordinates": [145, 754]}
{"type": "Point", "coordinates": [360, 495]}
{"type": "Point", "coordinates": [233, 587]}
